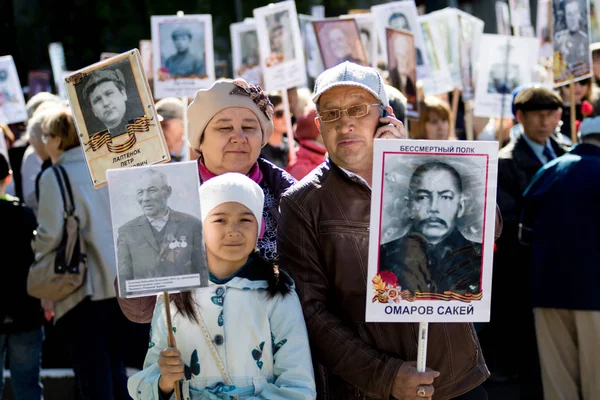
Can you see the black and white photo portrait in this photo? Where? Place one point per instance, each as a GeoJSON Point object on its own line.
{"type": "Point", "coordinates": [280, 36]}
{"type": "Point", "coordinates": [109, 99]}
{"type": "Point", "coordinates": [245, 52]}
{"type": "Point", "coordinates": [160, 235]}
{"type": "Point", "coordinates": [503, 78]}
{"type": "Point", "coordinates": [571, 40]}
{"type": "Point", "coordinates": [432, 236]}
{"type": "Point", "coordinates": [182, 49]}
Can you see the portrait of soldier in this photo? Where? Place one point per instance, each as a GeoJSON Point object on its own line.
{"type": "Point", "coordinates": [402, 68]}
{"type": "Point", "coordinates": [434, 256]}
{"type": "Point", "coordinates": [572, 42]}
{"type": "Point", "coordinates": [280, 39]}
{"type": "Point", "coordinates": [161, 242]}
{"type": "Point", "coordinates": [107, 96]}
{"type": "Point", "coordinates": [185, 62]}
{"type": "Point", "coordinates": [399, 20]}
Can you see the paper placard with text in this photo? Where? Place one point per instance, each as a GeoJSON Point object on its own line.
{"type": "Point", "coordinates": [157, 228]}
{"type": "Point", "coordinates": [509, 63]}
{"type": "Point", "coordinates": [571, 30]}
{"type": "Point", "coordinates": [12, 101]}
{"type": "Point", "coordinates": [182, 55]}
{"type": "Point", "coordinates": [402, 15]}
{"type": "Point", "coordinates": [115, 116]}
{"type": "Point", "coordinates": [431, 234]}
{"type": "Point", "coordinates": [245, 52]}
{"type": "Point", "coordinates": [281, 53]}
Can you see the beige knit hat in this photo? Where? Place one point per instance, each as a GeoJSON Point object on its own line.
{"type": "Point", "coordinates": [224, 94]}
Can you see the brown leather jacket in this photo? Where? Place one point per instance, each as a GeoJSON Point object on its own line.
{"type": "Point", "coordinates": [323, 241]}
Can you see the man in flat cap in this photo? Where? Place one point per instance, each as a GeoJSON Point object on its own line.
{"type": "Point", "coordinates": [538, 109]}
{"type": "Point", "coordinates": [184, 62]}
{"type": "Point", "coordinates": [105, 90]}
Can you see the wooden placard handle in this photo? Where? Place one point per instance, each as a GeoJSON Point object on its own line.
{"type": "Point", "coordinates": [170, 336]}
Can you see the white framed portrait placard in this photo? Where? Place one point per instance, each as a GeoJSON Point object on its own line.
{"type": "Point", "coordinates": [402, 15]}
{"type": "Point", "coordinates": [506, 63]}
{"type": "Point", "coordinates": [245, 51]}
{"type": "Point", "coordinates": [12, 101]}
{"type": "Point", "coordinates": [182, 55]}
{"type": "Point", "coordinates": [434, 38]}
{"type": "Point", "coordinates": [157, 228]}
{"type": "Point", "coordinates": [432, 231]}
{"type": "Point", "coordinates": [281, 52]}
{"type": "Point", "coordinates": [59, 65]}
{"type": "Point", "coordinates": [115, 116]}
{"type": "Point", "coordinates": [340, 40]}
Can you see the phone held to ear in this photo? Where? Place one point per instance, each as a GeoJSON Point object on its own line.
{"type": "Point", "coordinates": [384, 113]}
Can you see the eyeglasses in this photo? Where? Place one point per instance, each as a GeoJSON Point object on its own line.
{"type": "Point", "coordinates": [357, 111]}
{"type": "Point", "coordinates": [45, 136]}
{"type": "Point", "coordinates": [278, 113]}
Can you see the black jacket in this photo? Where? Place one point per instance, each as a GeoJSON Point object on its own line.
{"type": "Point", "coordinates": [18, 311]}
{"type": "Point", "coordinates": [453, 265]}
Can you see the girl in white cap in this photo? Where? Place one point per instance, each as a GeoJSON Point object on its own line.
{"type": "Point", "coordinates": [242, 336]}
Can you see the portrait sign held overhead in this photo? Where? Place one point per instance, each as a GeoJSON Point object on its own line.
{"type": "Point", "coordinates": [502, 18]}
{"type": "Point", "coordinates": [115, 116]}
{"type": "Point", "coordinates": [368, 34]}
{"type": "Point", "coordinates": [59, 65]}
{"type": "Point", "coordinates": [245, 54]}
{"type": "Point", "coordinates": [38, 81]}
{"type": "Point", "coordinates": [440, 79]}
{"type": "Point", "coordinates": [12, 102]}
{"type": "Point", "coordinates": [339, 41]}
{"type": "Point", "coordinates": [314, 62]}
{"type": "Point", "coordinates": [402, 67]}
{"type": "Point", "coordinates": [282, 58]}
{"type": "Point", "coordinates": [402, 15]}
{"type": "Point", "coordinates": [445, 26]}
{"type": "Point", "coordinates": [157, 229]}
{"type": "Point", "coordinates": [571, 27]}
{"type": "Point", "coordinates": [183, 56]}
{"type": "Point", "coordinates": [471, 31]}
{"type": "Point", "coordinates": [432, 231]}
{"type": "Point", "coordinates": [510, 64]}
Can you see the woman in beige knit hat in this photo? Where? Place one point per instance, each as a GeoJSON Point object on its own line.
{"type": "Point", "coordinates": [228, 124]}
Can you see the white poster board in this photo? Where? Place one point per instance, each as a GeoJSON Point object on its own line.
{"type": "Point", "coordinates": [471, 31]}
{"type": "Point", "coordinates": [368, 34]}
{"type": "Point", "coordinates": [448, 27]}
{"type": "Point", "coordinates": [183, 55]}
{"type": "Point", "coordinates": [149, 260]}
{"type": "Point", "coordinates": [115, 116]}
{"type": "Point", "coordinates": [402, 15]}
{"type": "Point", "coordinates": [520, 14]}
{"type": "Point", "coordinates": [312, 54]}
{"type": "Point", "coordinates": [571, 29]}
{"type": "Point", "coordinates": [506, 62]}
{"type": "Point", "coordinates": [59, 64]}
{"type": "Point", "coordinates": [282, 58]}
{"type": "Point", "coordinates": [12, 101]}
{"type": "Point", "coordinates": [432, 231]}
{"type": "Point", "coordinates": [502, 18]}
{"type": "Point", "coordinates": [245, 52]}
{"type": "Point", "coordinates": [440, 79]}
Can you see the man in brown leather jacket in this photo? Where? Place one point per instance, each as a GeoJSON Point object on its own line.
{"type": "Point", "coordinates": [323, 240]}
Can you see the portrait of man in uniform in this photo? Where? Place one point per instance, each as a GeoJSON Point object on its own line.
{"type": "Point", "coordinates": [110, 100]}
{"type": "Point", "coordinates": [188, 59]}
{"type": "Point", "coordinates": [161, 242]}
{"type": "Point", "coordinates": [401, 64]}
{"type": "Point", "coordinates": [433, 256]}
{"type": "Point", "coordinates": [280, 37]}
{"type": "Point", "coordinates": [573, 42]}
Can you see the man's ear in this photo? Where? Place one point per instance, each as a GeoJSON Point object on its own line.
{"type": "Point", "coordinates": [169, 191]}
{"type": "Point", "coordinates": [318, 123]}
{"type": "Point", "coordinates": [520, 116]}
{"type": "Point", "coordinates": [461, 207]}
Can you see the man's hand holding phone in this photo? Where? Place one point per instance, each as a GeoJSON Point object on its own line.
{"type": "Point", "coordinates": [389, 127]}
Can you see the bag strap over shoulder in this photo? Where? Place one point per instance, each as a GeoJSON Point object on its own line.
{"type": "Point", "coordinates": [62, 188]}
{"type": "Point", "coordinates": [67, 184]}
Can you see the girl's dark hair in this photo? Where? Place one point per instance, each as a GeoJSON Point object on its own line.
{"type": "Point", "coordinates": [261, 269]}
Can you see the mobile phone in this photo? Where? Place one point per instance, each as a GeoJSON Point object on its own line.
{"type": "Point", "coordinates": [384, 113]}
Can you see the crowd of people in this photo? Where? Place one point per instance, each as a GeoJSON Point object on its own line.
{"type": "Point", "coordinates": [287, 246]}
